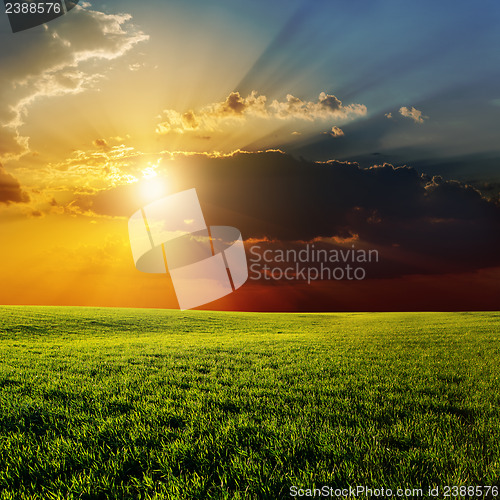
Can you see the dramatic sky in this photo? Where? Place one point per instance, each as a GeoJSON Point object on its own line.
{"type": "Point", "coordinates": [372, 126]}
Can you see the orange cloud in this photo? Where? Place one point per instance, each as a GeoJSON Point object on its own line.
{"type": "Point", "coordinates": [10, 189]}
{"type": "Point", "coordinates": [336, 132]}
{"type": "Point", "coordinates": [413, 113]}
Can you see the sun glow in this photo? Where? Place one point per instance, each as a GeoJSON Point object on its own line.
{"type": "Point", "coordinates": [150, 172]}
{"type": "Point", "coordinates": [152, 186]}
{"type": "Point", "coordinates": [152, 189]}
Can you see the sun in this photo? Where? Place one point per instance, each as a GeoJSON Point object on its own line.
{"type": "Point", "coordinates": [152, 186]}
{"type": "Point", "coordinates": [152, 189]}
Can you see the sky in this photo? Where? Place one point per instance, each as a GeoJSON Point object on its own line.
{"type": "Point", "coordinates": [331, 123]}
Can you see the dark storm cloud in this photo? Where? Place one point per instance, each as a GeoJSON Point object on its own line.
{"type": "Point", "coordinates": [437, 225]}
{"type": "Point", "coordinates": [10, 189]}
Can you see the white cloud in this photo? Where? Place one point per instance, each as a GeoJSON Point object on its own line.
{"type": "Point", "coordinates": [327, 106]}
{"type": "Point", "coordinates": [236, 107]}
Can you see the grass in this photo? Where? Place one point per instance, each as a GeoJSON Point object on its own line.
{"type": "Point", "coordinates": [105, 403]}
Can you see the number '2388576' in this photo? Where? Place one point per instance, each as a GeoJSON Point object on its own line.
{"type": "Point", "coordinates": [26, 14]}
{"type": "Point", "coordinates": [33, 8]}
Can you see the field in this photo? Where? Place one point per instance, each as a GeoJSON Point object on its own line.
{"type": "Point", "coordinates": [122, 403]}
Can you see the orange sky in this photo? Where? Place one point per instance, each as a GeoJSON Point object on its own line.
{"type": "Point", "coordinates": [102, 99]}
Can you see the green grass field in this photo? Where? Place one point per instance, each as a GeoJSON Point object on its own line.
{"type": "Point", "coordinates": [122, 403]}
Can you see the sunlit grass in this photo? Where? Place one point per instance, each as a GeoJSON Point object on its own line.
{"type": "Point", "coordinates": [103, 403]}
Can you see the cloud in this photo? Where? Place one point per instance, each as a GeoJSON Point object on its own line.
{"type": "Point", "coordinates": [10, 189]}
{"type": "Point", "coordinates": [236, 107]}
{"type": "Point", "coordinates": [336, 132]}
{"type": "Point", "coordinates": [135, 66]}
{"type": "Point", "coordinates": [106, 164]}
{"type": "Point", "coordinates": [210, 117]}
{"type": "Point", "coordinates": [101, 143]}
{"type": "Point", "coordinates": [412, 113]}
{"type": "Point", "coordinates": [50, 61]}
{"type": "Point", "coordinates": [420, 224]}
{"type": "Point", "coordinates": [178, 123]}
{"type": "Point", "coordinates": [11, 143]}
{"type": "Point", "coordinates": [326, 107]}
